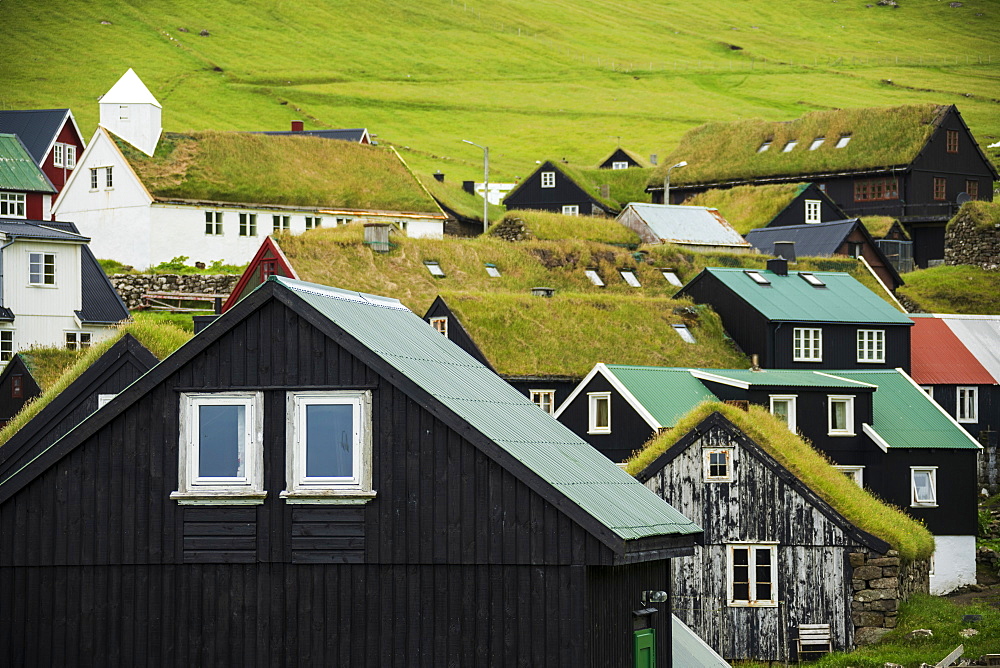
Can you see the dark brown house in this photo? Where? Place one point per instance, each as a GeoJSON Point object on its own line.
{"type": "Point", "coordinates": [555, 186]}
{"type": "Point", "coordinates": [17, 387]}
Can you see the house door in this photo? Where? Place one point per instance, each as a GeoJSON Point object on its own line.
{"type": "Point", "coordinates": [645, 648]}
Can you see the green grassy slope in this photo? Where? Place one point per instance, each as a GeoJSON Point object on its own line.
{"type": "Point", "coordinates": [528, 79]}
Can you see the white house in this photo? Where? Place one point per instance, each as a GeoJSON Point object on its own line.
{"type": "Point", "coordinates": [52, 290]}
{"type": "Point", "coordinates": [214, 196]}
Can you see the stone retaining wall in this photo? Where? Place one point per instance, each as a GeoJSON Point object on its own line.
{"type": "Point", "coordinates": [965, 242]}
{"type": "Point", "coordinates": [133, 286]}
{"type": "Point", "coordinates": [880, 583]}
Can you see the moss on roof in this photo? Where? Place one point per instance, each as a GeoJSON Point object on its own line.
{"type": "Point", "coordinates": [552, 226]}
{"type": "Point", "coordinates": [879, 226]}
{"type": "Point", "coordinates": [857, 505]}
{"type": "Point", "coordinates": [880, 137]}
{"type": "Point", "coordinates": [451, 195]}
{"type": "Point", "coordinates": [749, 207]}
{"type": "Point", "coordinates": [631, 154]}
{"type": "Point", "coordinates": [565, 335]}
{"type": "Point", "coordinates": [278, 169]}
{"type": "Point", "coordinates": [983, 215]}
{"type": "Point", "coordinates": [47, 364]}
{"type": "Point", "coordinates": [624, 185]}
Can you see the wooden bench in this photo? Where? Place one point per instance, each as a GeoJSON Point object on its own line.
{"type": "Point", "coordinates": [814, 635]}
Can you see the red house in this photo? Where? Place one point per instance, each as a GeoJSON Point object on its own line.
{"type": "Point", "coordinates": [51, 136]}
{"type": "Point", "coordinates": [25, 191]}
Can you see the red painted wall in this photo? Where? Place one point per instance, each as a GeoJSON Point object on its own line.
{"type": "Point", "coordinates": [59, 175]}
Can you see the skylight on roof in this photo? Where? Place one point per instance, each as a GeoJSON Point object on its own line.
{"type": "Point", "coordinates": [492, 270]}
{"type": "Point", "coordinates": [671, 277]}
{"type": "Point", "coordinates": [763, 147]}
{"type": "Point", "coordinates": [811, 279]}
{"type": "Point", "coordinates": [434, 268]}
{"type": "Point", "coordinates": [790, 145]}
{"type": "Point", "coordinates": [817, 143]}
{"type": "Point", "coordinates": [684, 333]}
{"type": "Point", "coordinates": [630, 278]}
{"type": "Point", "coordinates": [757, 277]}
{"type": "Point", "coordinates": [842, 142]}
{"type": "Point", "coordinates": [594, 277]}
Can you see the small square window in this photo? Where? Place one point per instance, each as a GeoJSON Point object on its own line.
{"type": "Point", "coordinates": [248, 224]}
{"type": "Point", "coordinates": [104, 399]}
{"type": "Point", "coordinates": [751, 576]}
{"type": "Point", "coordinates": [312, 222]}
{"type": "Point", "coordinates": [435, 269]}
{"type": "Point", "coordinates": [41, 269]}
{"type": "Point", "coordinates": [281, 223]}
{"type": "Point", "coordinates": [440, 324]}
{"type": "Point", "coordinates": [841, 416]}
{"type": "Point", "coordinates": [928, 389]}
{"type": "Point", "coordinates": [923, 486]}
{"type": "Point", "coordinates": [790, 145]}
{"type": "Point", "coordinates": [571, 210]}
{"type": "Point", "coordinates": [628, 275]}
{"type": "Point", "coordinates": [764, 146]}
{"type": "Point", "coordinates": [544, 399]}
{"type": "Point", "coordinates": [684, 333]}
{"type": "Point", "coordinates": [717, 465]}
{"type": "Point", "coordinates": [843, 141]}
{"type": "Point", "coordinates": [807, 344]}
{"type": "Point", "coordinates": [492, 271]}
{"type": "Point", "coordinates": [6, 345]}
{"type": "Point", "coordinates": [599, 411]}
{"type": "Point", "coordinates": [783, 406]}
{"type": "Point", "coordinates": [813, 211]}
{"type": "Point", "coordinates": [77, 340]}
{"type": "Point", "coordinates": [594, 277]}
{"type": "Point", "coordinates": [855, 473]}
{"type": "Point", "coordinates": [671, 277]}
{"type": "Point", "coordinates": [871, 345]}
{"type": "Point", "coordinates": [816, 143]}
{"type": "Point", "coordinates": [548, 179]}
{"type": "Point", "coordinates": [967, 409]}
{"type": "Point", "coordinates": [268, 268]}
{"type": "Point", "coordinates": [213, 223]}
{"type": "Point", "coordinates": [342, 221]}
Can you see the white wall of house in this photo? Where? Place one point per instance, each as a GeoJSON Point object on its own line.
{"type": "Point", "coordinates": [137, 123]}
{"type": "Point", "coordinates": [954, 563]}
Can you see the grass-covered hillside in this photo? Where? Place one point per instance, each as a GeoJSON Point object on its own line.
{"type": "Point", "coordinates": [953, 289]}
{"type": "Point", "coordinates": [528, 79]}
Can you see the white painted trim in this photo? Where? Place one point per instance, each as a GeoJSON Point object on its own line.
{"type": "Point", "coordinates": [874, 435]}
{"type": "Point", "coordinates": [793, 401]}
{"type": "Point", "coordinates": [715, 378]}
{"type": "Point", "coordinates": [849, 380]}
{"type": "Point", "coordinates": [847, 399]}
{"type": "Point", "coordinates": [579, 388]}
{"type": "Point", "coordinates": [958, 403]}
{"type": "Point", "coordinates": [887, 290]}
{"type": "Point", "coordinates": [592, 400]}
{"type": "Point", "coordinates": [601, 368]}
{"type": "Point", "coordinates": [938, 406]}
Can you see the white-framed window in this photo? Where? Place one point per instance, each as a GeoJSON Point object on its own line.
{"type": "Point", "coordinates": [923, 486]}
{"type": "Point", "coordinates": [594, 277]}
{"type": "Point", "coordinates": [766, 144]}
{"type": "Point", "coordinates": [58, 154]}
{"type": "Point", "coordinates": [871, 345]}
{"type": "Point", "coordinates": [757, 277]}
{"type": "Point", "coordinates": [816, 143]}
{"type": "Point", "coordinates": [93, 178]}
{"type": "Point", "coordinates": [328, 446]}
{"type": "Point", "coordinates": [440, 324]}
{"type": "Point", "coordinates": [281, 223]}
{"type": "Point", "coordinates": [213, 223]}
{"type": "Point", "coordinates": [812, 279]}
{"type": "Point", "coordinates": [967, 403]}
{"type": "Point", "coordinates": [70, 156]}
{"type": "Point", "coordinates": [548, 179]}
{"type": "Point", "coordinates": [790, 145]}
{"type": "Point", "coordinates": [434, 268]}
{"type": "Point", "coordinates": [571, 209]}
{"type": "Point", "coordinates": [109, 178]}
{"type": "Point", "coordinates": [341, 221]}
{"type": "Point", "coordinates": [104, 399]}
{"type": "Point", "coordinates": [813, 211]}
{"type": "Point", "coordinates": [12, 205]}
{"type": "Point", "coordinates": [628, 275]}
{"type": "Point", "coordinates": [544, 399]}
{"type": "Point", "coordinates": [312, 222]}
{"type": "Point", "coordinates": [77, 340]}
{"type": "Point", "coordinates": [751, 576]}
{"type": "Point", "coordinates": [717, 464]}
{"type": "Point", "coordinates": [671, 276]}
{"type": "Point", "coordinates": [6, 345]}
{"type": "Point", "coordinates": [807, 344]}
{"type": "Point", "coordinates": [619, 164]}
{"type": "Point", "coordinates": [599, 412]}
{"type": "Point", "coordinates": [929, 389]}
{"type": "Point", "coordinates": [248, 224]}
{"type": "Point", "coordinates": [41, 269]}
{"type": "Point", "coordinates": [221, 447]}
{"type": "Point", "coordinates": [840, 414]}
{"type": "Point", "coordinates": [783, 406]}
{"type": "Point", "coordinates": [855, 473]}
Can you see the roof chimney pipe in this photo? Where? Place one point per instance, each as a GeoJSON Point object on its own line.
{"type": "Point", "coordinates": [785, 249]}
{"type": "Point", "coordinates": [298, 126]}
{"type": "Point", "coordinates": [779, 266]}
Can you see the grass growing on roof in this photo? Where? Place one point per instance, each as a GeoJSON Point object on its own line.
{"type": "Point", "coordinates": [879, 226]}
{"type": "Point", "coordinates": [889, 523]}
{"type": "Point", "coordinates": [984, 215]}
{"type": "Point", "coordinates": [550, 226]}
{"type": "Point", "coordinates": [451, 194]}
{"type": "Point", "coordinates": [624, 185]}
{"type": "Point", "coordinates": [748, 207]}
{"type": "Point", "coordinates": [47, 364]}
{"type": "Point", "coordinates": [958, 288]}
{"type": "Point", "coordinates": [161, 339]}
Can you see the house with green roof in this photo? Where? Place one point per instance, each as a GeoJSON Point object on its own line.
{"type": "Point", "coordinates": [804, 320]}
{"type": "Point", "coordinates": [560, 187]}
{"type": "Point", "coordinates": [25, 191]}
{"type": "Point", "coordinates": [910, 162]}
{"type": "Point", "coordinates": [325, 453]}
{"type": "Point", "coordinates": [778, 204]}
{"type": "Point", "coordinates": [621, 158]}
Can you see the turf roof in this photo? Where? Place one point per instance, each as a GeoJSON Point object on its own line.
{"type": "Point", "coordinates": [283, 170]}
{"type": "Point", "coordinates": [749, 207]}
{"type": "Point", "coordinates": [551, 226]}
{"type": "Point", "coordinates": [859, 507]}
{"type": "Point", "coordinates": [624, 185]}
{"type": "Point", "coordinates": [879, 226]}
{"type": "Point", "coordinates": [465, 204]}
{"type": "Point", "coordinates": [880, 137]}
{"type": "Point", "coordinates": [579, 177]}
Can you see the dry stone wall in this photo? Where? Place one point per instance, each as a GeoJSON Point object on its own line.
{"type": "Point", "coordinates": [881, 582]}
{"type": "Point", "coordinates": [132, 287]}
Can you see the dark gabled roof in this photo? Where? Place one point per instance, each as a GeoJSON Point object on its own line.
{"type": "Point", "coordinates": [622, 152]}
{"type": "Point", "coordinates": [355, 135]}
{"type": "Point", "coordinates": [18, 170]}
{"type": "Point", "coordinates": [40, 229]}
{"type": "Point", "coordinates": [577, 177]}
{"type": "Point", "coordinates": [811, 240]}
{"type": "Point", "coordinates": [37, 128]}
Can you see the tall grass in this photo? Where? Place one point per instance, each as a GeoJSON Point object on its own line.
{"type": "Point", "coordinates": [551, 226]}
{"type": "Point", "coordinates": [748, 207]}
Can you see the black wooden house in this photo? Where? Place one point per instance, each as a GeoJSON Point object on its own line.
{"type": "Point", "coordinates": [17, 387]}
{"type": "Point", "coordinates": [319, 478]}
{"type": "Point", "coordinates": [556, 186]}
{"type": "Point", "coordinates": [620, 158]}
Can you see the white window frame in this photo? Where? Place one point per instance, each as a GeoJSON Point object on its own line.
{"type": "Point", "coordinates": [78, 340]}
{"type": "Point", "coordinates": [854, 472]}
{"type": "Point", "coordinates": [813, 211]}
{"type": "Point", "coordinates": [94, 182]}
{"type": "Point", "coordinates": [967, 411]}
{"type": "Point", "coordinates": [594, 277]}
{"type": "Point", "coordinates": [58, 153]}
{"type": "Point", "coordinates": [807, 344]}
{"type": "Point", "coordinates": [248, 224]}
{"type": "Point", "coordinates": [706, 457]}
{"type": "Point", "coordinates": [42, 283]}
{"type": "Point", "coordinates": [753, 602]}
{"type": "Point", "coordinates": [928, 389]}
{"type": "Point", "coordinates": [548, 179]}
{"type": "Point", "coordinates": [593, 399]}
{"type": "Point", "coordinates": [6, 345]}
{"type": "Point", "coordinates": [848, 401]}
{"type": "Point", "coordinates": [765, 145]}
{"type": "Point", "coordinates": [671, 277]}
{"type": "Point", "coordinates": [544, 399]}
{"type": "Point", "coordinates": [628, 275]}
{"type": "Point", "coordinates": [245, 489]}
{"type": "Point", "coordinates": [213, 223]}
{"type": "Point", "coordinates": [109, 178]}
{"type": "Point", "coordinates": [871, 346]}
{"type": "Point", "coordinates": [683, 332]}
{"type": "Point", "coordinates": [104, 399]}
{"type": "Point", "coordinates": [843, 141]}
{"type": "Point", "coordinates": [314, 222]}
{"type": "Point", "coordinates": [281, 223]}
{"type": "Point", "coordinates": [70, 156]}
{"type": "Point", "coordinates": [816, 143]}
{"type": "Point", "coordinates": [619, 164]}
{"type": "Point", "coordinates": [440, 323]}
{"type": "Point", "coordinates": [792, 400]}
{"type": "Point", "coordinates": [16, 205]}
{"type": "Point", "coordinates": [790, 145]}
{"type": "Point", "coordinates": [492, 271]}
{"type": "Point", "coordinates": [355, 489]}
{"type": "Point", "coordinates": [571, 209]}
{"type": "Point", "coordinates": [932, 474]}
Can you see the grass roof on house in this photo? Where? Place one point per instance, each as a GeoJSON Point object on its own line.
{"type": "Point", "coordinates": [983, 215]}
{"type": "Point", "coordinates": [879, 226]}
{"type": "Point", "coordinates": [283, 170]}
{"type": "Point", "coordinates": [451, 195]}
{"type": "Point", "coordinates": [565, 335]}
{"type": "Point", "coordinates": [880, 137]}
{"type": "Point", "coordinates": [551, 226]}
{"type": "Point", "coordinates": [159, 338]}
{"type": "Point", "coordinates": [857, 505]}
{"type": "Point", "coordinates": [624, 185]}
{"type": "Point", "coordinates": [952, 289]}
{"type": "Point", "coordinates": [47, 364]}
{"type": "Point", "coordinates": [749, 207]}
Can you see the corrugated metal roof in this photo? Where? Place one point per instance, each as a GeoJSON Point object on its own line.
{"type": "Point", "coordinates": [676, 223]}
{"type": "Point", "coordinates": [905, 417]}
{"type": "Point", "coordinates": [37, 128]}
{"type": "Point", "coordinates": [981, 335]}
{"type": "Point", "coordinates": [790, 298]}
{"type": "Point", "coordinates": [101, 302]}
{"type": "Point", "coordinates": [667, 393]}
{"type": "Point", "coordinates": [18, 170]}
{"type": "Point", "coordinates": [777, 377]}
{"type": "Point", "coordinates": [690, 650]}
{"type": "Point", "coordinates": [938, 357]}
{"type": "Point", "coordinates": [812, 240]}
{"type": "Point", "coordinates": [38, 230]}
{"type": "Point", "coordinates": [497, 411]}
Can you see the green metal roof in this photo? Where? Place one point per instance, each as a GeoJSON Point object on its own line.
{"type": "Point", "coordinates": [667, 393]}
{"type": "Point", "coordinates": [775, 377]}
{"type": "Point", "coordinates": [18, 170]}
{"type": "Point", "coordinates": [905, 417]}
{"type": "Point", "coordinates": [791, 298]}
{"type": "Point", "coordinates": [497, 411]}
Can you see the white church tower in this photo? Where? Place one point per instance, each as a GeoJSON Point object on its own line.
{"type": "Point", "coordinates": [130, 111]}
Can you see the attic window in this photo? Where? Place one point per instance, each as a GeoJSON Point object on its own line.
{"type": "Point", "coordinates": [757, 278]}
{"type": "Point", "coordinates": [843, 141]}
{"type": "Point", "coordinates": [440, 324]}
{"type": "Point", "coordinates": [817, 143]}
{"type": "Point", "coordinates": [594, 277]}
{"type": "Point", "coordinates": [492, 270]}
{"type": "Point", "coordinates": [619, 164]}
{"type": "Point", "coordinates": [684, 333]}
{"type": "Point", "coordinates": [790, 145]}
{"type": "Point", "coordinates": [763, 147]}
{"type": "Point", "coordinates": [548, 179]}
{"type": "Point", "coordinates": [671, 277]}
{"type": "Point", "coordinates": [811, 279]}
{"type": "Point", "coordinates": [434, 268]}
{"type": "Point", "coordinates": [629, 276]}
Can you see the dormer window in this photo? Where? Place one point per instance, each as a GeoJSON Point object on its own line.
{"type": "Point", "coordinates": [763, 147]}
{"type": "Point", "coordinates": [684, 333]}
{"type": "Point", "coordinates": [629, 277]}
{"type": "Point", "coordinates": [434, 268]}
{"type": "Point", "coordinates": [619, 165]}
{"type": "Point", "coordinates": [843, 141]}
{"type": "Point", "coordinates": [594, 277]}
{"type": "Point", "coordinates": [491, 270]}
{"type": "Point", "coordinates": [757, 277]}
{"type": "Point", "coordinates": [816, 143]}
{"type": "Point", "coordinates": [811, 279]}
{"type": "Point", "coordinates": [790, 145]}
{"type": "Point", "coordinates": [548, 179]}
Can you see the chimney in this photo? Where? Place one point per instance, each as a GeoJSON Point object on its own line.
{"type": "Point", "coordinates": [785, 249]}
{"type": "Point", "coordinates": [469, 187]}
{"type": "Point", "coordinates": [755, 362]}
{"type": "Point", "coordinates": [298, 126]}
{"type": "Point", "coordinates": [778, 265]}
{"type": "Point", "coordinates": [653, 158]}
{"type": "Point", "coordinates": [438, 176]}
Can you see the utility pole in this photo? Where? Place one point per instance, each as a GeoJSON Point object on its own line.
{"type": "Point", "coordinates": [486, 184]}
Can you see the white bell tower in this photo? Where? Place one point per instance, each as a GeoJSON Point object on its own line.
{"type": "Point", "coordinates": [130, 111]}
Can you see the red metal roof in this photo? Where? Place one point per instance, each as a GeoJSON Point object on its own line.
{"type": "Point", "coordinates": [938, 357]}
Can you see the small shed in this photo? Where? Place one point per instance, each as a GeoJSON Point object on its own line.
{"type": "Point", "coordinates": [17, 387]}
{"type": "Point", "coordinates": [696, 227]}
